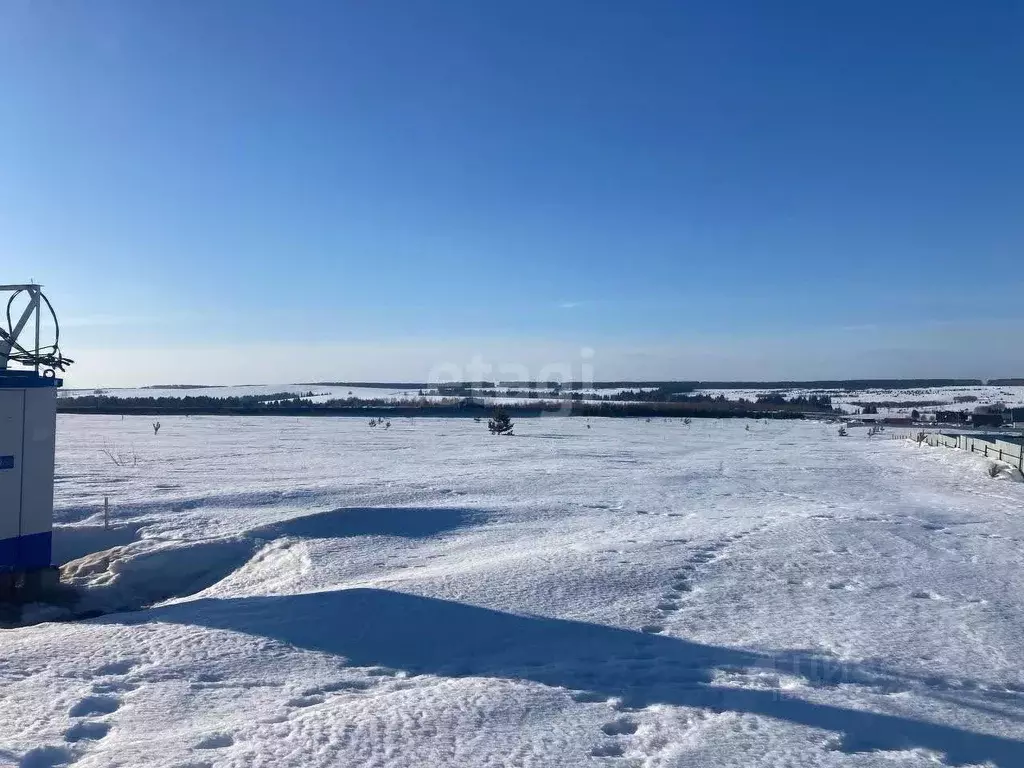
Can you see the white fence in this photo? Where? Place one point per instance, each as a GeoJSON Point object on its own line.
{"type": "Point", "coordinates": [989, 446]}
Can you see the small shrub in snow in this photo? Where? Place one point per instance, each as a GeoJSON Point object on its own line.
{"type": "Point", "coordinates": [994, 470]}
{"type": "Point", "coordinates": [842, 431]}
{"type": "Point", "coordinates": [120, 458]}
{"type": "Point", "coordinates": [920, 437]}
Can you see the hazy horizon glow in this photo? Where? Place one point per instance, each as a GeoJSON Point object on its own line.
{"type": "Point", "coordinates": [935, 352]}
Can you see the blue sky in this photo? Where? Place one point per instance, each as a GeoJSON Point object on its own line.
{"type": "Point", "coordinates": [268, 191]}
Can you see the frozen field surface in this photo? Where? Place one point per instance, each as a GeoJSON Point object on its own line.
{"type": "Point", "coordinates": [314, 592]}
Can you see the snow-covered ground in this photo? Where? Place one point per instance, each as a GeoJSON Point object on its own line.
{"type": "Point", "coordinates": [847, 399]}
{"type": "Point", "coordinates": [321, 392]}
{"type": "Point", "coordinates": [325, 393]}
{"type": "Point", "coordinates": [314, 592]}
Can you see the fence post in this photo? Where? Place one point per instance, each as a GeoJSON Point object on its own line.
{"type": "Point", "coordinates": [106, 513]}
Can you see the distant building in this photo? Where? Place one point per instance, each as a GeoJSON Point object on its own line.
{"type": "Point", "coordinates": [1016, 417]}
{"type": "Point", "coordinates": [987, 419]}
{"type": "Point", "coordinates": [951, 417]}
{"type": "Point", "coordinates": [899, 421]}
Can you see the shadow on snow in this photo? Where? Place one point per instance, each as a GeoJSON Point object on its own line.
{"type": "Point", "coordinates": [372, 627]}
{"type": "Point", "coordinates": [405, 522]}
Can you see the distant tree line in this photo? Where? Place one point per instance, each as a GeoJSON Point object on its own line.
{"type": "Point", "coordinates": [662, 394]}
{"type": "Point", "coordinates": [872, 406]}
{"type": "Point", "coordinates": [184, 386]}
{"type": "Point", "coordinates": [805, 402]}
{"type": "Point", "coordinates": [674, 386]}
{"type": "Point", "coordinates": [271, 400]}
{"type": "Point", "coordinates": [289, 404]}
{"type": "Point", "coordinates": [845, 384]}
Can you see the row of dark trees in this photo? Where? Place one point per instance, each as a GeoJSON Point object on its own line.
{"type": "Point", "coordinates": [274, 399]}
{"type": "Point", "coordinates": [298, 406]}
{"type": "Point", "coordinates": [872, 406]}
{"type": "Point", "coordinates": [664, 394]}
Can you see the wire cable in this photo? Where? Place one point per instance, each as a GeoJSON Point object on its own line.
{"type": "Point", "coordinates": [46, 356]}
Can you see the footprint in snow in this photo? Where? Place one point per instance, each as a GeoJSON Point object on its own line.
{"type": "Point", "coordinates": [113, 686]}
{"type": "Point", "coordinates": [46, 757]}
{"type": "Point", "coordinates": [95, 705]}
{"type": "Point", "coordinates": [122, 667]}
{"type": "Point", "coordinates": [607, 750]}
{"type": "Point", "coordinates": [86, 731]}
{"type": "Point", "coordinates": [216, 741]}
{"type": "Point", "coordinates": [305, 701]}
{"type": "Point", "coordinates": [623, 726]}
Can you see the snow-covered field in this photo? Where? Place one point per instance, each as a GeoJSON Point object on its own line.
{"type": "Point", "coordinates": [313, 592]}
{"type": "Point", "coordinates": [846, 399]}
{"type": "Point", "coordinates": [321, 392]}
{"type": "Point", "coordinates": [325, 393]}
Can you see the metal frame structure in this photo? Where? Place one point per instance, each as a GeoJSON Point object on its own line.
{"type": "Point", "coordinates": [9, 341]}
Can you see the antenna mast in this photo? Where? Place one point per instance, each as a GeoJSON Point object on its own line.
{"type": "Point", "coordinates": [37, 355]}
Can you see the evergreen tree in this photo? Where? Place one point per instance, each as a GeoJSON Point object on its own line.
{"type": "Point", "coordinates": [500, 423]}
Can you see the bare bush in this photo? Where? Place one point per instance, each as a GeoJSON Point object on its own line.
{"type": "Point", "coordinates": [920, 437]}
{"type": "Point", "coordinates": [994, 470]}
{"type": "Point", "coordinates": [121, 458]}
